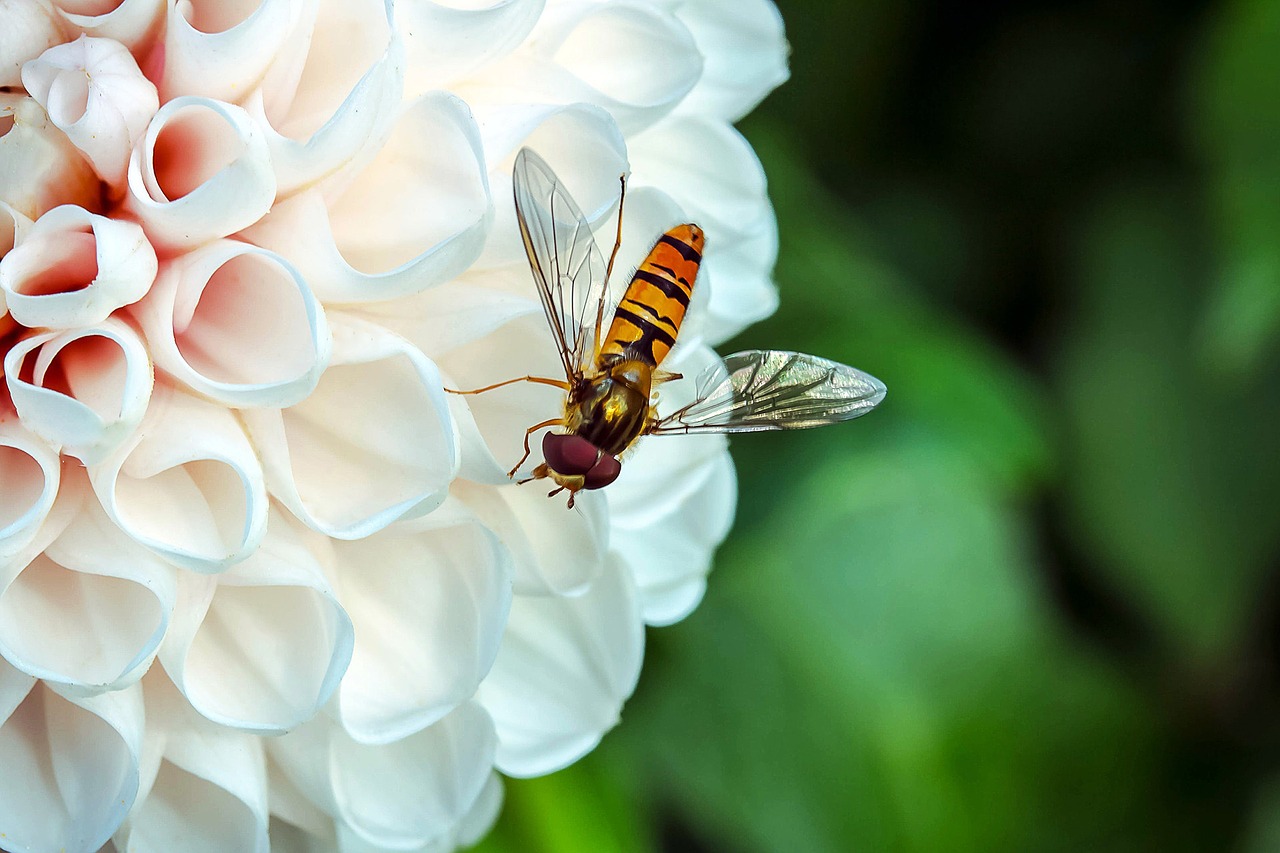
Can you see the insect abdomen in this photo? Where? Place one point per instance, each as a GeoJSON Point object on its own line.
{"type": "Point", "coordinates": [648, 317]}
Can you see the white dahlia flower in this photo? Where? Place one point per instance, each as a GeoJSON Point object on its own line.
{"type": "Point", "coordinates": [263, 583]}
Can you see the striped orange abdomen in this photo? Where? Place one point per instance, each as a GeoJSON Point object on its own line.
{"type": "Point", "coordinates": [648, 317]}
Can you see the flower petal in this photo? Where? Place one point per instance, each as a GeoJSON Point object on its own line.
{"type": "Point", "coordinates": [71, 764]}
{"type": "Point", "coordinates": [133, 23]}
{"type": "Point", "coordinates": [429, 599]}
{"type": "Point", "coordinates": [188, 486]}
{"type": "Point", "coordinates": [565, 667]}
{"type": "Point", "coordinates": [84, 391]}
{"type": "Point", "coordinates": [74, 268]}
{"type": "Point", "coordinates": [237, 324]}
{"type": "Point", "coordinates": [746, 55]}
{"type": "Point", "coordinates": [13, 228]}
{"type": "Point", "coordinates": [221, 50]}
{"type": "Point", "coordinates": [415, 216]}
{"type": "Point", "coordinates": [264, 646]}
{"type": "Point", "coordinates": [373, 442]}
{"type": "Point", "coordinates": [444, 42]}
{"type": "Point", "coordinates": [89, 612]}
{"type": "Point", "coordinates": [30, 28]}
{"type": "Point", "coordinates": [39, 167]}
{"type": "Point", "coordinates": [95, 93]}
{"type": "Point", "coordinates": [30, 473]}
{"type": "Point", "coordinates": [201, 171]}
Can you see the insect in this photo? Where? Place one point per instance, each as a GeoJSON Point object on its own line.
{"type": "Point", "coordinates": [611, 373]}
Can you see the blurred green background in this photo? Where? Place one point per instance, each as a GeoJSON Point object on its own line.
{"type": "Point", "coordinates": [1031, 604]}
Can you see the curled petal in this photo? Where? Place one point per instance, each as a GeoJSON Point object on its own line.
{"type": "Point", "coordinates": [89, 613]}
{"type": "Point", "coordinates": [30, 28]}
{"type": "Point", "coordinates": [39, 167]}
{"type": "Point", "coordinates": [133, 23]}
{"type": "Point", "coordinates": [30, 472]}
{"type": "Point", "coordinates": [201, 171]}
{"type": "Point", "coordinates": [188, 485]}
{"type": "Point", "coordinates": [565, 667]}
{"type": "Point", "coordinates": [84, 391]}
{"type": "Point", "coordinates": [374, 441]}
{"type": "Point", "coordinates": [95, 93]}
{"type": "Point", "coordinates": [429, 598]}
{"type": "Point", "coordinates": [444, 42]}
{"type": "Point", "coordinates": [74, 268]}
{"type": "Point", "coordinates": [262, 647]}
{"type": "Point", "coordinates": [221, 50]}
{"type": "Point", "coordinates": [333, 94]}
{"type": "Point", "coordinates": [237, 324]}
{"type": "Point", "coordinates": [745, 49]}
{"type": "Point", "coordinates": [440, 774]}
{"type": "Point", "coordinates": [70, 764]}
{"type": "Point", "coordinates": [13, 227]}
{"type": "Point", "coordinates": [210, 786]}
{"type": "Point", "coordinates": [415, 216]}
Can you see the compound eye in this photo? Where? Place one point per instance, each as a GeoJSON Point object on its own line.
{"type": "Point", "coordinates": [604, 472]}
{"type": "Point", "coordinates": [571, 455]}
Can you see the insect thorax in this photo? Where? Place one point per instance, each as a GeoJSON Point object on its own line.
{"type": "Point", "coordinates": [609, 409]}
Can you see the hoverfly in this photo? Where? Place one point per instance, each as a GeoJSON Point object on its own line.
{"type": "Point", "coordinates": [610, 374]}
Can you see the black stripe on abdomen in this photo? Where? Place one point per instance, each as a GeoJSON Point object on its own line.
{"type": "Point", "coordinates": [667, 286]}
{"type": "Point", "coordinates": [686, 251]}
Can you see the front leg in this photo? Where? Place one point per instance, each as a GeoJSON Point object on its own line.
{"type": "Point", "coordinates": [530, 431]}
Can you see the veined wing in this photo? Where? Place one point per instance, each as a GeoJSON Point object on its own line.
{"type": "Point", "coordinates": [759, 390]}
{"type": "Point", "coordinates": [567, 266]}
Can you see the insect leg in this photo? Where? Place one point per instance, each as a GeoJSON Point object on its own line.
{"type": "Point", "coordinates": [613, 256]}
{"type": "Point", "coordinates": [530, 431]}
{"type": "Point", "coordinates": [541, 380]}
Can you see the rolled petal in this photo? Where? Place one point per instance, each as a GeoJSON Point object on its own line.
{"type": "Point", "coordinates": [133, 23]}
{"type": "Point", "coordinates": [70, 764]}
{"type": "Point", "coordinates": [333, 94]}
{"type": "Point", "coordinates": [565, 667]}
{"type": "Point", "coordinates": [74, 268]}
{"type": "Point", "coordinates": [218, 49]}
{"type": "Point", "coordinates": [30, 28]}
{"type": "Point", "coordinates": [84, 391]}
{"type": "Point", "coordinates": [95, 93]}
{"type": "Point", "coordinates": [444, 42]}
{"type": "Point", "coordinates": [417, 215]}
{"type": "Point", "coordinates": [429, 599]}
{"type": "Point", "coordinates": [745, 50]}
{"type": "Point", "coordinates": [201, 171]}
{"type": "Point", "coordinates": [89, 612]}
{"type": "Point", "coordinates": [440, 774]}
{"type": "Point", "coordinates": [264, 646]}
{"type": "Point", "coordinates": [13, 227]}
{"type": "Point", "coordinates": [209, 790]}
{"type": "Point", "coordinates": [237, 324]}
{"type": "Point", "coordinates": [188, 485]}
{"type": "Point", "coordinates": [30, 472]}
{"type": "Point", "coordinates": [39, 167]}
{"type": "Point", "coordinates": [374, 441]}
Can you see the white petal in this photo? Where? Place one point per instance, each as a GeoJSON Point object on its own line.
{"type": "Point", "coordinates": [201, 171]}
{"type": "Point", "coordinates": [565, 667]}
{"type": "Point", "coordinates": [262, 647]}
{"type": "Point", "coordinates": [218, 49]}
{"type": "Point", "coordinates": [415, 216]}
{"type": "Point", "coordinates": [74, 268]}
{"type": "Point", "coordinates": [237, 324]}
{"type": "Point", "coordinates": [188, 486]}
{"type": "Point", "coordinates": [745, 50]}
{"type": "Point", "coordinates": [373, 443]}
{"type": "Point", "coordinates": [13, 228]}
{"type": "Point", "coordinates": [70, 765]}
{"type": "Point", "coordinates": [39, 167]}
{"type": "Point", "coordinates": [557, 551]}
{"type": "Point", "coordinates": [89, 612]}
{"type": "Point", "coordinates": [333, 94]}
{"type": "Point", "coordinates": [445, 42]}
{"type": "Point", "coordinates": [133, 23]}
{"type": "Point", "coordinates": [95, 93]}
{"type": "Point", "coordinates": [30, 28]}
{"type": "Point", "coordinates": [30, 472]}
{"type": "Point", "coordinates": [291, 806]}
{"type": "Point", "coordinates": [209, 794]}
{"type": "Point", "coordinates": [88, 388]}
{"type": "Point", "coordinates": [439, 774]}
{"type": "Point", "coordinates": [429, 599]}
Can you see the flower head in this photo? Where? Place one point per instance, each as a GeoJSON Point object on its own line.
{"type": "Point", "coordinates": [254, 561]}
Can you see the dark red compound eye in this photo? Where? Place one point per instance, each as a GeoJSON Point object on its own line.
{"type": "Point", "coordinates": [604, 472]}
{"type": "Point", "coordinates": [571, 455]}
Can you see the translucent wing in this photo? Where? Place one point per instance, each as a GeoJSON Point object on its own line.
{"type": "Point", "coordinates": [567, 266]}
{"type": "Point", "coordinates": [760, 390]}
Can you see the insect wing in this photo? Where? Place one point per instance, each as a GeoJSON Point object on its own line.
{"type": "Point", "coordinates": [567, 266]}
{"type": "Point", "coordinates": [758, 390]}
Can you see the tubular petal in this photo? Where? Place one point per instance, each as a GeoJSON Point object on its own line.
{"type": "Point", "coordinates": [30, 473]}
{"type": "Point", "coordinates": [30, 28]}
{"type": "Point", "coordinates": [39, 167]}
{"type": "Point", "coordinates": [745, 49]}
{"type": "Point", "coordinates": [444, 43]}
{"type": "Point", "coordinates": [133, 23]}
{"type": "Point", "coordinates": [219, 49]}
